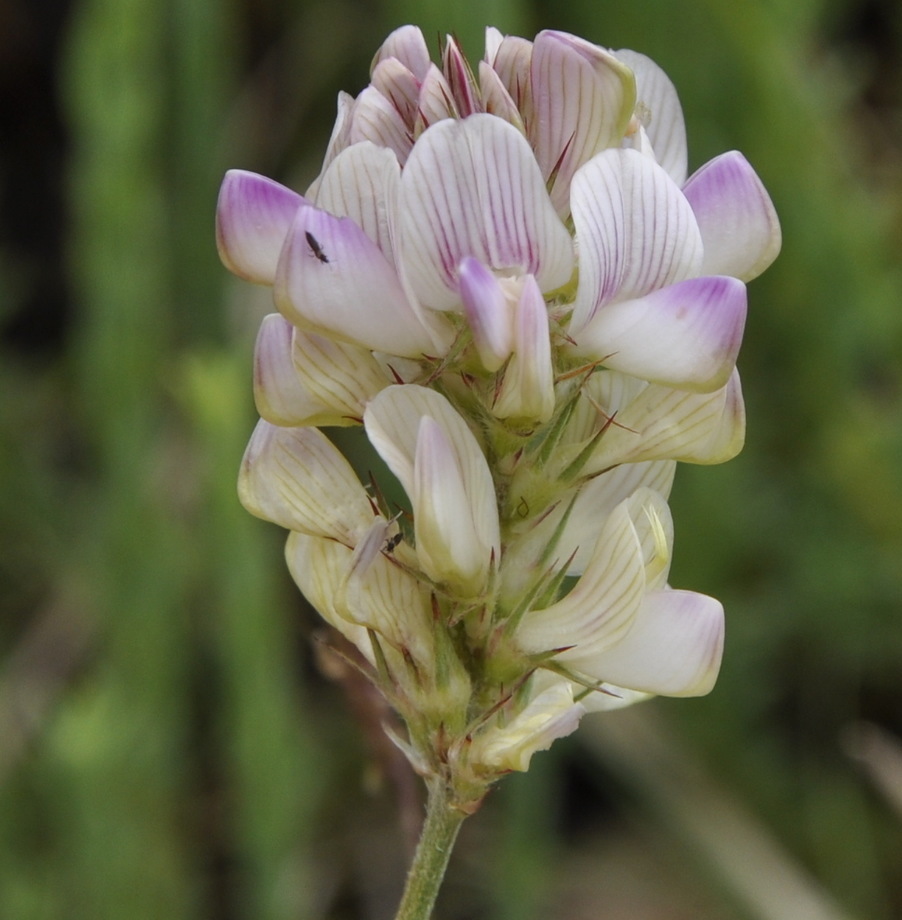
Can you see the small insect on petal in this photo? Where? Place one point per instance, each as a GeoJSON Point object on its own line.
{"type": "Point", "coordinates": [315, 247]}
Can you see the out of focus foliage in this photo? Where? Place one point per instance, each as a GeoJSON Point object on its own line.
{"type": "Point", "coordinates": [169, 744]}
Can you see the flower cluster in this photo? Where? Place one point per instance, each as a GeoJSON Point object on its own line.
{"type": "Point", "coordinates": [506, 277]}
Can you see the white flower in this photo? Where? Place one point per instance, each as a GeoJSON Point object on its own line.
{"type": "Point", "coordinates": [505, 275]}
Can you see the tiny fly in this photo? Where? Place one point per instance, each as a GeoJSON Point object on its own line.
{"type": "Point", "coordinates": [315, 247]}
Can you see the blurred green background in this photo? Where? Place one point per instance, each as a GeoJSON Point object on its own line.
{"type": "Point", "coordinates": [169, 747]}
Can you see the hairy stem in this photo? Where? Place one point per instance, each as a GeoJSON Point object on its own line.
{"type": "Point", "coordinates": [437, 838]}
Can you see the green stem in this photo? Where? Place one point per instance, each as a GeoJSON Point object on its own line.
{"type": "Point", "coordinates": [433, 851]}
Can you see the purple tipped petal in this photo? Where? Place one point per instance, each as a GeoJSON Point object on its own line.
{"type": "Point", "coordinates": [333, 279]}
{"type": "Point", "coordinates": [636, 232]}
{"type": "Point", "coordinates": [737, 219]}
{"type": "Point", "coordinates": [674, 647]}
{"type": "Point", "coordinates": [686, 335]}
{"type": "Point", "coordinates": [473, 188]}
{"type": "Point", "coordinates": [253, 217]}
{"type": "Point", "coordinates": [488, 313]}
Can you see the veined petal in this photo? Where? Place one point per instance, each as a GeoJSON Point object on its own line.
{"type": "Point", "coordinates": [409, 47]}
{"type": "Point", "coordinates": [686, 335]}
{"type": "Point", "coordinates": [600, 495]}
{"type": "Point", "coordinates": [436, 101]}
{"type": "Point", "coordinates": [582, 97]}
{"type": "Point", "coordinates": [660, 113]}
{"type": "Point", "coordinates": [600, 608]}
{"type": "Point", "coordinates": [397, 84]}
{"type": "Point", "coordinates": [635, 232]}
{"type": "Point", "coordinates": [674, 647]}
{"type": "Point", "coordinates": [362, 184]}
{"type": "Point", "coordinates": [460, 78]}
{"type": "Point", "coordinates": [297, 478]}
{"type": "Point", "coordinates": [496, 100]}
{"type": "Point", "coordinates": [317, 582]}
{"type": "Point", "coordinates": [343, 377]}
{"type": "Point", "coordinates": [654, 528]}
{"type": "Point", "coordinates": [280, 395]}
{"type": "Point", "coordinates": [447, 537]}
{"type": "Point", "coordinates": [333, 279]}
{"type": "Point", "coordinates": [383, 598]}
{"type": "Point", "coordinates": [527, 391]}
{"type": "Point", "coordinates": [473, 188]}
{"type": "Point", "coordinates": [511, 61]}
{"type": "Point", "coordinates": [737, 219]}
{"type": "Point", "coordinates": [677, 424]}
{"type": "Point", "coordinates": [376, 119]}
{"type": "Point", "coordinates": [488, 313]}
{"type": "Point", "coordinates": [253, 217]}
{"type": "Point", "coordinates": [392, 421]}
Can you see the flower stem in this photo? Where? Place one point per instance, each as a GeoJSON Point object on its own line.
{"type": "Point", "coordinates": [433, 851]}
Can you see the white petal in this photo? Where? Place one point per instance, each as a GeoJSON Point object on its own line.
{"type": "Point", "coordinates": [598, 497]}
{"type": "Point", "coordinates": [318, 583]}
{"type": "Point", "coordinates": [660, 113]}
{"type": "Point", "coordinates": [409, 47]}
{"type": "Point", "coordinates": [635, 231]}
{"type": "Point", "coordinates": [392, 423]}
{"type": "Point", "coordinates": [253, 217]}
{"type": "Point", "coordinates": [297, 478]}
{"type": "Point", "coordinates": [397, 84]}
{"type": "Point", "coordinates": [472, 188]}
{"type": "Point", "coordinates": [583, 97]}
{"type": "Point", "coordinates": [280, 396]}
{"type": "Point", "coordinates": [496, 100]}
{"type": "Point", "coordinates": [600, 608]}
{"type": "Point", "coordinates": [511, 60]}
{"type": "Point", "coordinates": [447, 537]}
{"type": "Point", "coordinates": [376, 119]}
{"type": "Point", "coordinates": [737, 219]}
{"type": "Point", "coordinates": [677, 424]}
{"type": "Point", "coordinates": [686, 335]}
{"type": "Point", "coordinates": [550, 715]}
{"type": "Point", "coordinates": [339, 140]}
{"type": "Point", "coordinates": [674, 647]}
{"type": "Point", "coordinates": [436, 102]}
{"type": "Point", "coordinates": [384, 598]}
{"type": "Point", "coordinates": [527, 391]}
{"type": "Point", "coordinates": [344, 378]}
{"type": "Point", "coordinates": [493, 39]}
{"type": "Point", "coordinates": [362, 184]}
{"type": "Point", "coordinates": [333, 279]}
